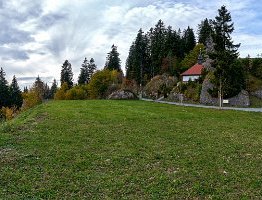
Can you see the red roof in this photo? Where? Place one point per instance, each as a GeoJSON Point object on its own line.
{"type": "Point", "coordinates": [195, 70]}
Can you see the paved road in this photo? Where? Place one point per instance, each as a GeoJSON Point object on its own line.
{"type": "Point", "coordinates": [204, 106]}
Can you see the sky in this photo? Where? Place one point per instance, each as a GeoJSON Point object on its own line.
{"type": "Point", "coordinates": [37, 36]}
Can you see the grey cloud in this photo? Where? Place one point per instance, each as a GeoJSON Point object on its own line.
{"type": "Point", "coordinates": [13, 54]}
{"type": "Point", "coordinates": [10, 35]}
{"type": "Point", "coordinates": [51, 19]}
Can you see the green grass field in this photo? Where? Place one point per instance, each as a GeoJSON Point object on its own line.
{"type": "Point", "coordinates": [130, 150]}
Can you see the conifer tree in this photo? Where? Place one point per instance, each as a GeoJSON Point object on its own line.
{"type": "Point", "coordinates": [84, 75]}
{"type": "Point", "coordinates": [67, 74]}
{"type": "Point", "coordinates": [39, 87]}
{"type": "Point", "coordinates": [91, 69]}
{"type": "Point", "coordinates": [189, 40]}
{"type": "Point", "coordinates": [46, 94]}
{"type": "Point", "coordinates": [157, 47]}
{"type": "Point", "coordinates": [205, 31]}
{"type": "Point", "coordinates": [53, 89]}
{"type": "Point", "coordinates": [4, 90]}
{"type": "Point", "coordinates": [137, 64]}
{"type": "Point", "coordinates": [113, 61]}
{"type": "Point", "coordinates": [15, 94]}
{"type": "Point", "coordinates": [229, 75]}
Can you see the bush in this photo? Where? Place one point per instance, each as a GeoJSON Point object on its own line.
{"type": "Point", "coordinates": [61, 92]}
{"type": "Point", "coordinates": [79, 92]}
{"type": "Point", "coordinates": [8, 113]}
{"type": "Point", "coordinates": [102, 82]}
{"type": "Point", "coordinates": [31, 99]}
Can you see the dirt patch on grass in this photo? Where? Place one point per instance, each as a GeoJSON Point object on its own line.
{"type": "Point", "coordinates": [8, 155]}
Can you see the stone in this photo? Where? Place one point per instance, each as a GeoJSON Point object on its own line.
{"type": "Point", "coordinates": [242, 99]}
{"type": "Point", "coordinates": [257, 94]}
{"type": "Point", "coordinates": [122, 95]}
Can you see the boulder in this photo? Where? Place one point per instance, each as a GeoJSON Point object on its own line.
{"type": "Point", "coordinates": [122, 95]}
{"type": "Point", "coordinates": [242, 99]}
{"type": "Point", "coordinates": [257, 94]}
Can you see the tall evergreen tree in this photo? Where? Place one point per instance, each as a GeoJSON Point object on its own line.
{"type": "Point", "coordinates": [46, 94]}
{"type": "Point", "coordinates": [189, 40]}
{"type": "Point", "coordinates": [67, 74]}
{"type": "Point", "coordinates": [53, 89]}
{"type": "Point", "coordinates": [39, 87]}
{"type": "Point", "coordinates": [137, 64]}
{"type": "Point", "coordinates": [84, 75]}
{"type": "Point", "coordinates": [157, 47]}
{"type": "Point", "coordinates": [91, 69]}
{"type": "Point", "coordinates": [113, 61]}
{"type": "Point", "coordinates": [229, 75]}
{"type": "Point", "coordinates": [4, 90]}
{"type": "Point", "coordinates": [15, 94]}
{"type": "Point", "coordinates": [205, 31]}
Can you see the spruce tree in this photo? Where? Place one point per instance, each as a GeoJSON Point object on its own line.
{"type": "Point", "coordinates": [53, 89]}
{"type": "Point", "coordinates": [46, 94]}
{"type": "Point", "coordinates": [137, 64]}
{"type": "Point", "coordinates": [67, 74]}
{"type": "Point", "coordinates": [84, 75]}
{"type": "Point", "coordinates": [205, 31]}
{"type": "Point", "coordinates": [4, 90]}
{"type": "Point", "coordinates": [189, 40]}
{"type": "Point", "coordinates": [39, 87]}
{"type": "Point", "coordinates": [229, 74]}
{"type": "Point", "coordinates": [157, 47]}
{"type": "Point", "coordinates": [91, 69]}
{"type": "Point", "coordinates": [15, 94]}
{"type": "Point", "coordinates": [113, 61]}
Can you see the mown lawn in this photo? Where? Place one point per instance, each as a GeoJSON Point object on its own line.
{"type": "Point", "coordinates": [130, 150]}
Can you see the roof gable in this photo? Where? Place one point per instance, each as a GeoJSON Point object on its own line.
{"type": "Point", "coordinates": [195, 70]}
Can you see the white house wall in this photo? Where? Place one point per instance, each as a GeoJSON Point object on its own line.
{"type": "Point", "coordinates": [186, 78]}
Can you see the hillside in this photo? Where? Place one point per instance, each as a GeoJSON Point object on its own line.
{"type": "Point", "coordinates": [130, 149]}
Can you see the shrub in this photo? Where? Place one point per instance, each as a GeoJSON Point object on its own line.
{"type": "Point", "coordinates": [61, 92]}
{"type": "Point", "coordinates": [31, 99]}
{"type": "Point", "coordinates": [8, 113]}
{"type": "Point", "coordinates": [79, 92]}
{"type": "Point", "coordinates": [101, 81]}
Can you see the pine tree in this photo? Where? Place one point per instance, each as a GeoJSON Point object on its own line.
{"type": "Point", "coordinates": [39, 87]}
{"type": "Point", "coordinates": [91, 69]}
{"type": "Point", "coordinates": [113, 61]}
{"type": "Point", "coordinates": [25, 89]}
{"type": "Point", "coordinates": [53, 89]}
{"type": "Point", "coordinates": [67, 74]}
{"type": "Point", "coordinates": [15, 94]}
{"type": "Point", "coordinates": [189, 40]}
{"type": "Point", "coordinates": [205, 30]}
{"type": "Point", "coordinates": [4, 90]}
{"type": "Point", "coordinates": [157, 47]}
{"type": "Point", "coordinates": [229, 75]}
{"type": "Point", "coordinates": [137, 64]}
{"type": "Point", "coordinates": [46, 94]}
{"type": "Point", "coordinates": [84, 74]}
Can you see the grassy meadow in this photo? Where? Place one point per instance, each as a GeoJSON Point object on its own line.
{"type": "Point", "coordinates": [99, 149]}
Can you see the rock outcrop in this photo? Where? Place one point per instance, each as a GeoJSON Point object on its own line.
{"type": "Point", "coordinates": [257, 94]}
{"type": "Point", "coordinates": [242, 99]}
{"type": "Point", "coordinates": [122, 95]}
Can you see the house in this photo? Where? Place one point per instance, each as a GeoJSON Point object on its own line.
{"type": "Point", "coordinates": [193, 72]}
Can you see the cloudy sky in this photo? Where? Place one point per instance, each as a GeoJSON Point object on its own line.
{"type": "Point", "coordinates": [37, 36]}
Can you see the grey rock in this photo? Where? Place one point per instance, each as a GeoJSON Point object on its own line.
{"type": "Point", "coordinates": [242, 99]}
{"type": "Point", "coordinates": [122, 95]}
{"type": "Point", "coordinates": [257, 94]}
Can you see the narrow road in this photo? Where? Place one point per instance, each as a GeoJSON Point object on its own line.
{"type": "Point", "coordinates": [204, 106]}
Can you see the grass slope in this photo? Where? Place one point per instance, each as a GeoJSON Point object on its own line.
{"type": "Point", "coordinates": [130, 150]}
